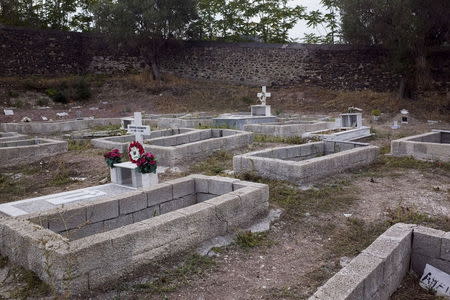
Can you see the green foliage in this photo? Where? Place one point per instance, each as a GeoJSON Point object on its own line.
{"type": "Point", "coordinates": [295, 140]}
{"type": "Point", "coordinates": [327, 21]}
{"type": "Point", "coordinates": [146, 25]}
{"type": "Point", "coordinates": [215, 164]}
{"type": "Point", "coordinates": [57, 95]}
{"type": "Point", "coordinates": [48, 14]}
{"type": "Point", "coordinates": [268, 21]}
{"type": "Point", "coordinates": [82, 90]}
{"type": "Point", "coordinates": [42, 102]}
{"type": "Point", "coordinates": [32, 287]}
{"type": "Point", "coordinates": [248, 239]}
{"type": "Point", "coordinates": [376, 112]}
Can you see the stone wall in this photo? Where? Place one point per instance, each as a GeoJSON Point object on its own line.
{"type": "Point", "coordinates": [38, 52]}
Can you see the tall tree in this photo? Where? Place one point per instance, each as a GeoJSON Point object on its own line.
{"type": "Point", "coordinates": [408, 28]}
{"type": "Point", "coordinates": [327, 21]}
{"type": "Point", "coordinates": [148, 24]}
{"type": "Point", "coordinates": [242, 20]}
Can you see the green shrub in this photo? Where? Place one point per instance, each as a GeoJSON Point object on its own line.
{"type": "Point", "coordinates": [57, 95]}
{"type": "Point", "coordinates": [82, 90]}
{"type": "Point", "coordinates": [376, 112]}
{"type": "Point", "coordinates": [42, 102]}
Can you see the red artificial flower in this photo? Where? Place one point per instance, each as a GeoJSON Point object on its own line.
{"type": "Point", "coordinates": [135, 151]}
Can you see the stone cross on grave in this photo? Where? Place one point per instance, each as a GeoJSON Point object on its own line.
{"type": "Point", "coordinates": [263, 95]}
{"type": "Point", "coordinates": [138, 129]}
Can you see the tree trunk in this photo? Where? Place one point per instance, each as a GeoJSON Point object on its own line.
{"type": "Point", "coordinates": [155, 68]}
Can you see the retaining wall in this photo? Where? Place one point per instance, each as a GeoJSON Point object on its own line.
{"type": "Point", "coordinates": [103, 255]}
{"type": "Point", "coordinates": [11, 136]}
{"type": "Point", "coordinates": [379, 270]}
{"type": "Point", "coordinates": [27, 151]}
{"type": "Point", "coordinates": [30, 52]}
{"type": "Point", "coordinates": [306, 163]}
{"type": "Point", "coordinates": [428, 146]}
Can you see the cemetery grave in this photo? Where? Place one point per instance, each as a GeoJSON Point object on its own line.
{"type": "Point", "coordinates": [288, 128]}
{"type": "Point", "coordinates": [186, 121]}
{"type": "Point", "coordinates": [57, 126]}
{"type": "Point", "coordinates": [432, 146]}
{"type": "Point", "coordinates": [11, 136]}
{"type": "Point", "coordinates": [348, 127]}
{"type": "Point", "coordinates": [28, 150]}
{"type": "Point", "coordinates": [67, 248]}
{"type": "Point", "coordinates": [259, 114]}
{"type": "Point", "coordinates": [174, 150]}
{"type": "Point", "coordinates": [122, 142]}
{"type": "Point", "coordinates": [379, 270]}
{"type": "Point", "coordinates": [306, 163]}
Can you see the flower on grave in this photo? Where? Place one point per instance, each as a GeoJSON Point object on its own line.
{"type": "Point", "coordinates": [135, 151]}
{"type": "Point", "coordinates": [146, 163]}
{"type": "Point", "coordinates": [113, 157]}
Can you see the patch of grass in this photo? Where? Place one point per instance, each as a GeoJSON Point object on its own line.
{"type": "Point", "coordinates": [411, 215]}
{"type": "Point", "coordinates": [295, 140]}
{"type": "Point", "coordinates": [10, 187]}
{"type": "Point", "coordinates": [248, 239]}
{"type": "Point", "coordinates": [195, 265]}
{"type": "Point", "coordinates": [215, 164]}
{"type": "Point", "coordinates": [33, 287]}
{"type": "Point", "coordinates": [356, 236]}
{"type": "Point", "coordinates": [321, 199]}
{"type": "Point", "coordinates": [62, 177]}
{"type": "Point", "coordinates": [213, 127]}
{"type": "Point", "coordinates": [386, 164]}
{"type": "Point", "coordinates": [79, 145]}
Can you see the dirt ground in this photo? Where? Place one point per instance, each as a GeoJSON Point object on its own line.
{"type": "Point", "coordinates": [320, 229]}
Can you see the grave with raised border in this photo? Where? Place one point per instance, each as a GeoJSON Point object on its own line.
{"type": "Point", "coordinates": [306, 163]}
{"type": "Point", "coordinates": [88, 245]}
{"type": "Point", "coordinates": [379, 270]}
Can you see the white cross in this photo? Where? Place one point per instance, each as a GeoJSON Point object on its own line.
{"type": "Point", "coordinates": [137, 128]}
{"type": "Point", "coordinates": [264, 95]}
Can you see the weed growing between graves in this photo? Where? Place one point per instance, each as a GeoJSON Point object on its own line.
{"type": "Point", "coordinates": [295, 140]}
{"type": "Point", "coordinates": [106, 127]}
{"type": "Point", "coordinates": [321, 199]}
{"type": "Point", "coordinates": [248, 239]}
{"type": "Point", "coordinates": [214, 165]}
{"type": "Point", "coordinates": [79, 145]}
{"type": "Point", "coordinates": [8, 186]}
{"type": "Point", "coordinates": [386, 165]}
{"type": "Point", "coordinates": [62, 177]}
{"type": "Point", "coordinates": [170, 280]}
{"type": "Point", "coordinates": [32, 287]}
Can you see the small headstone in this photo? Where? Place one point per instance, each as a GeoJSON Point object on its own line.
{"type": "Point", "coordinates": [44, 118]}
{"type": "Point", "coordinates": [405, 114]}
{"type": "Point", "coordinates": [395, 125]}
{"type": "Point", "coordinates": [436, 280]}
{"type": "Point", "coordinates": [26, 119]}
{"type": "Point", "coordinates": [62, 114]}
{"type": "Point", "coordinates": [8, 112]}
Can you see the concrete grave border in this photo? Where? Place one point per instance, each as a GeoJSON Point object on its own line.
{"type": "Point", "coordinates": [275, 163]}
{"type": "Point", "coordinates": [15, 154]}
{"type": "Point", "coordinates": [179, 149]}
{"type": "Point", "coordinates": [122, 142]}
{"type": "Point", "coordinates": [135, 236]}
{"type": "Point", "coordinates": [350, 134]}
{"type": "Point", "coordinates": [378, 271]}
{"type": "Point", "coordinates": [432, 146]}
{"type": "Point", "coordinates": [11, 136]}
{"type": "Point", "coordinates": [187, 122]}
{"type": "Point", "coordinates": [289, 128]}
{"type": "Point", "coordinates": [57, 126]}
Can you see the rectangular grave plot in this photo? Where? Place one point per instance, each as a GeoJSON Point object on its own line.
{"type": "Point", "coordinates": [103, 241]}
{"type": "Point", "coordinates": [432, 146]}
{"type": "Point", "coordinates": [306, 163]}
